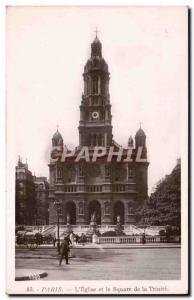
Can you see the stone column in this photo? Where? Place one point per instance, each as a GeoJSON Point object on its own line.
{"type": "Point", "coordinates": [80, 139]}
{"type": "Point", "coordinates": [105, 139]}
{"type": "Point", "coordinates": [99, 85]}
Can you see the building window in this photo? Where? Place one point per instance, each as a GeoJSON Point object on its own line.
{"type": "Point", "coordinates": [21, 185]}
{"type": "Point", "coordinates": [130, 206]}
{"type": "Point", "coordinates": [59, 172]}
{"type": "Point", "coordinates": [80, 171]}
{"type": "Point", "coordinates": [94, 140]}
{"type": "Point", "coordinates": [88, 86]}
{"type": "Point", "coordinates": [41, 186]}
{"type": "Point", "coordinates": [130, 172]}
{"type": "Point", "coordinates": [99, 140]}
{"type": "Point", "coordinates": [21, 175]}
{"type": "Point", "coordinates": [107, 171]}
{"type": "Point", "coordinates": [95, 85]}
{"type": "Point", "coordinates": [102, 87]}
{"type": "Point", "coordinates": [89, 139]}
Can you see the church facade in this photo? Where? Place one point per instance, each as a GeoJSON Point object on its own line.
{"type": "Point", "coordinates": [78, 189]}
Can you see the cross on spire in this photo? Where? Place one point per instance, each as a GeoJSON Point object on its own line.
{"type": "Point", "coordinates": [96, 31]}
{"type": "Point", "coordinates": [140, 124]}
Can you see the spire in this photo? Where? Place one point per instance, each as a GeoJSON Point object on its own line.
{"type": "Point", "coordinates": [130, 141]}
{"type": "Point", "coordinates": [96, 46]}
{"type": "Point", "coordinates": [96, 31]}
{"type": "Point", "coordinates": [95, 107]}
{"type": "Point", "coordinates": [57, 139]}
{"type": "Point", "coordinates": [140, 137]}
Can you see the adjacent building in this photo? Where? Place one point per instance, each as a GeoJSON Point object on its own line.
{"type": "Point", "coordinates": [42, 207]}
{"type": "Point", "coordinates": [25, 195]}
{"type": "Point", "coordinates": [31, 197]}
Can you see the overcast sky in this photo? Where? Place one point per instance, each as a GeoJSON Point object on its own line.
{"type": "Point", "coordinates": [146, 51]}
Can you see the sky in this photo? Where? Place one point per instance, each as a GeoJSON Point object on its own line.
{"type": "Point", "coordinates": [146, 51]}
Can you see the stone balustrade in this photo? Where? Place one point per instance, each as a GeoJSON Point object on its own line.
{"type": "Point", "coordinates": [135, 240]}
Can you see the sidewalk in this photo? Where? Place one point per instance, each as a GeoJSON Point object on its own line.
{"type": "Point", "coordinates": [112, 246]}
{"type": "Point", "coordinates": [29, 274]}
{"type": "Point", "coordinates": [49, 252]}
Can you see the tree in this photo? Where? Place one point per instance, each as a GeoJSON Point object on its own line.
{"type": "Point", "coordinates": [163, 207]}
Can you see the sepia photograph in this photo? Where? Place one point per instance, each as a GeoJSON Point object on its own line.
{"type": "Point", "coordinates": [97, 150]}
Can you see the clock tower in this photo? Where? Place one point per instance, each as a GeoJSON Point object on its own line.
{"type": "Point", "coordinates": [95, 127]}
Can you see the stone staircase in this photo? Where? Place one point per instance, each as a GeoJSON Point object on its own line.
{"type": "Point", "coordinates": [79, 229]}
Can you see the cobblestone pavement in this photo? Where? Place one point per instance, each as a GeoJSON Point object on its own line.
{"type": "Point", "coordinates": [105, 264]}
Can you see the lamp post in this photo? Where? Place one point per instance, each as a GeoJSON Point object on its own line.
{"type": "Point", "coordinates": [143, 235]}
{"type": "Point", "coordinates": [144, 227]}
{"type": "Point", "coordinates": [57, 205]}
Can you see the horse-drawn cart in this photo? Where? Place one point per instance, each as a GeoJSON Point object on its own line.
{"type": "Point", "coordinates": [28, 240]}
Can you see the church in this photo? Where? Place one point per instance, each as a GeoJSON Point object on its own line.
{"type": "Point", "coordinates": [108, 189]}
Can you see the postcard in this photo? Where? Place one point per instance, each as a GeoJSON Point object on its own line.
{"type": "Point", "coordinates": [97, 150]}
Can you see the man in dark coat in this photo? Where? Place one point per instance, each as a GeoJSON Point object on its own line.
{"type": "Point", "coordinates": [54, 241]}
{"type": "Point", "coordinates": [64, 249]}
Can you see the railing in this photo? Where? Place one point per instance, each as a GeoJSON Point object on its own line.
{"type": "Point", "coordinates": [118, 240]}
{"type": "Point", "coordinates": [136, 240]}
{"type": "Point", "coordinates": [118, 188]}
{"type": "Point", "coordinates": [70, 188]}
{"type": "Point", "coordinates": [128, 240]}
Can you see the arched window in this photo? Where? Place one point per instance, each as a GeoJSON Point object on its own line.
{"type": "Point", "coordinates": [130, 206]}
{"type": "Point", "coordinates": [99, 140]}
{"type": "Point", "coordinates": [41, 186]}
{"type": "Point", "coordinates": [102, 140]}
{"type": "Point", "coordinates": [94, 140]}
{"type": "Point", "coordinates": [107, 171]}
{"type": "Point", "coordinates": [88, 86]}
{"type": "Point", "coordinates": [99, 85]}
{"type": "Point", "coordinates": [80, 171]}
{"type": "Point", "coordinates": [95, 85]}
{"type": "Point", "coordinates": [89, 140]}
{"type": "Point", "coordinates": [102, 87]}
{"type": "Point", "coordinates": [130, 172]}
{"type": "Point", "coordinates": [59, 172]}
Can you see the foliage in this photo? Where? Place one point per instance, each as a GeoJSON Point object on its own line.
{"type": "Point", "coordinates": [164, 205]}
{"type": "Point", "coordinates": [109, 233]}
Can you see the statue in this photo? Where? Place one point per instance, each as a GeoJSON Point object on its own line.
{"type": "Point", "coordinates": [119, 227]}
{"type": "Point", "coordinates": [68, 227]}
{"type": "Point", "coordinates": [93, 225]}
{"type": "Point", "coordinates": [68, 218]}
{"type": "Point", "coordinates": [118, 219]}
{"type": "Point", "coordinates": [93, 217]}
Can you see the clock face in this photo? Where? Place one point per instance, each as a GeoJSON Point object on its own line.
{"type": "Point", "coordinates": [95, 115]}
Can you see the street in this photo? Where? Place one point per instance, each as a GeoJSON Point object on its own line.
{"type": "Point", "coordinates": [104, 264]}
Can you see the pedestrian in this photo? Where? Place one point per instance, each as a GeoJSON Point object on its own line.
{"type": "Point", "coordinates": [64, 250]}
{"type": "Point", "coordinates": [72, 237]}
{"type": "Point", "coordinates": [76, 238]}
{"type": "Point", "coordinates": [143, 238]}
{"type": "Point", "coordinates": [54, 241]}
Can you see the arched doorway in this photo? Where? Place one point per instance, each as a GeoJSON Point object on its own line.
{"type": "Point", "coordinates": [71, 211]}
{"type": "Point", "coordinates": [95, 207]}
{"type": "Point", "coordinates": [119, 211]}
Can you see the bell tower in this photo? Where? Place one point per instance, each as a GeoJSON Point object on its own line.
{"type": "Point", "coordinates": [95, 127]}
